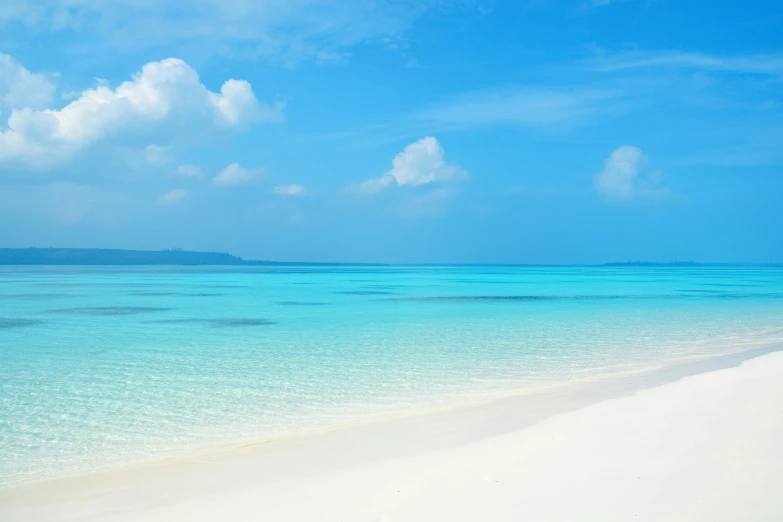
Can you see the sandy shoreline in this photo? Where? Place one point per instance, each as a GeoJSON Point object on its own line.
{"type": "Point", "coordinates": [696, 441]}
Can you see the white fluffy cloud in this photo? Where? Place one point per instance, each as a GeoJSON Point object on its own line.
{"type": "Point", "coordinates": [420, 163]}
{"type": "Point", "coordinates": [235, 174]}
{"type": "Point", "coordinates": [190, 171]}
{"type": "Point", "coordinates": [626, 177]}
{"type": "Point", "coordinates": [21, 88]}
{"type": "Point", "coordinates": [165, 93]}
{"type": "Point", "coordinates": [290, 190]}
{"type": "Point", "coordinates": [172, 197]}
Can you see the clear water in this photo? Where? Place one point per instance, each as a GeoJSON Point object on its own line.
{"type": "Point", "coordinates": [105, 366]}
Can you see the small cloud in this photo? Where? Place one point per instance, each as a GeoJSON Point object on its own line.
{"type": "Point", "coordinates": [235, 174]}
{"type": "Point", "coordinates": [374, 185]}
{"type": "Point", "coordinates": [626, 178]}
{"type": "Point", "coordinates": [156, 155]}
{"type": "Point", "coordinates": [413, 63]}
{"type": "Point", "coordinates": [420, 163]}
{"type": "Point", "coordinates": [290, 190]}
{"type": "Point", "coordinates": [545, 109]}
{"type": "Point", "coordinates": [591, 5]}
{"type": "Point", "coordinates": [190, 172]}
{"type": "Point", "coordinates": [758, 64]}
{"type": "Point", "coordinates": [70, 95]}
{"type": "Point", "coordinates": [172, 197]}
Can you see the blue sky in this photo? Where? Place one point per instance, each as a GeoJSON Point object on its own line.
{"type": "Point", "coordinates": [538, 131]}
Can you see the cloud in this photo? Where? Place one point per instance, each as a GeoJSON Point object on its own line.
{"type": "Point", "coordinates": [526, 106]}
{"type": "Point", "coordinates": [163, 95]}
{"type": "Point", "coordinates": [586, 7]}
{"type": "Point", "coordinates": [172, 197]}
{"type": "Point", "coordinates": [761, 64]}
{"type": "Point", "coordinates": [21, 88]}
{"type": "Point", "coordinates": [626, 178]}
{"type": "Point", "coordinates": [420, 163]}
{"type": "Point", "coordinates": [155, 155]}
{"type": "Point", "coordinates": [290, 190]}
{"type": "Point", "coordinates": [235, 174]}
{"type": "Point", "coordinates": [190, 171]}
{"type": "Point", "coordinates": [283, 31]}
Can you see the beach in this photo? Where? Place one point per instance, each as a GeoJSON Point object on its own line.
{"type": "Point", "coordinates": [391, 261]}
{"type": "Point", "coordinates": [695, 441]}
{"type": "Point", "coordinates": [389, 393]}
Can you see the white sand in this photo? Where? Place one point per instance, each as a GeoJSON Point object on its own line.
{"type": "Point", "coordinates": [708, 447]}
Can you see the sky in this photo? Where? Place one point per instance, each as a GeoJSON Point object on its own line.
{"type": "Point", "coordinates": [397, 131]}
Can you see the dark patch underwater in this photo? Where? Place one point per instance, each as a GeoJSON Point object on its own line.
{"type": "Point", "coordinates": [220, 323]}
{"type": "Point", "coordinates": [108, 310]}
{"type": "Point", "coordinates": [187, 294]}
{"type": "Point", "coordinates": [33, 297]}
{"type": "Point", "coordinates": [17, 323]}
{"type": "Point", "coordinates": [367, 292]}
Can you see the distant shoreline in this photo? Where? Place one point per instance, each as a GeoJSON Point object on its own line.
{"type": "Point", "coordinates": [33, 256]}
{"type": "Point", "coordinates": [115, 257]}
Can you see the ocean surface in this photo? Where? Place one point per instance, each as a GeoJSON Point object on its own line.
{"type": "Point", "coordinates": [103, 366]}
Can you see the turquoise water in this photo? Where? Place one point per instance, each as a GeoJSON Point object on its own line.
{"type": "Point", "coordinates": [110, 365]}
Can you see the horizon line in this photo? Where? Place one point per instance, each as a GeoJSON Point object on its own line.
{"type": "Point", "coordinates": [240, 261]}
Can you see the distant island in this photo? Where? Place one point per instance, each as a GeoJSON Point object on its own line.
{"type": "Point", "coordinates": [686, 264]}
{"type": "Point", "coordinates": [104, 256]}
{"type": "Point", "coordinates": [648, 263]}
{"type": "Point", "coordinates": [178, 256]}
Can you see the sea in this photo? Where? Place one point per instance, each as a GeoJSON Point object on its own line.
{"type": "Point", "coordinates": [110, 366]}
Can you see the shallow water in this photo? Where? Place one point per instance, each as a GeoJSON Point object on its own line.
{"type": "Point", "coordinates": [104, 366]}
